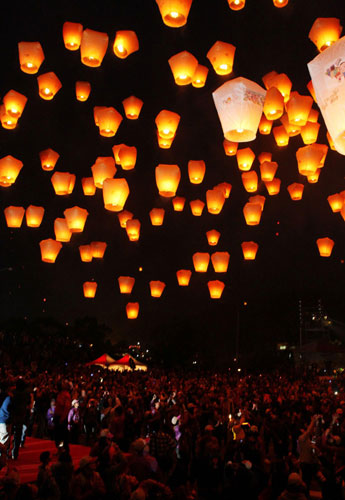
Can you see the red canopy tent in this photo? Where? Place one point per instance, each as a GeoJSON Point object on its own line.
{"type": "Point", "coordinates": [105, 360]}
{"type": "Point", "coordinates": [127, 362]}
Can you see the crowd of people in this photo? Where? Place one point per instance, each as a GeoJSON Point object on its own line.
{"type": "Point", "coordinates": [175, 435]}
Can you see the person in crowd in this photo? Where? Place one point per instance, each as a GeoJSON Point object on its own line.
{"type": "Point", "coordinates": [21, 405]}
{"type": "Point", "coordinates": [47, 487]}
{"type": "Point", "coordinates": [73, 420]}
{"type": "Point", "coordinates": [63, 406]}
{"type": "Point", "coordinates": [5, 421]}
{"type": "Point", "coordinates": [87, 484]}
{"type": "Point", "coordinates": [50, 419]}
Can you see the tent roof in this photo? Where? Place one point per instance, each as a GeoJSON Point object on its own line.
{"type": "Point", "coordinates": [125, 360]}
{"type": "Point", "coordinates": [105, 359]}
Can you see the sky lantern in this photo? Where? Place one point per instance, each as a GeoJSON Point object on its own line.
{"type": "Point", "coordinates": [14, 103]}
{"type": "Point", "coordinates": [167, 179]}
{"type": "Point", "coordinates": [7, 121]}
{"type": "Point", "coordinates": [213, 237]}
{"type": "Point", "coordinates": [126, 284]}
{"type": "Point", "coordinates": [281, 136]}
{"type": "Point", "coordinates": [31, 56]}
{"type": "Point", "coordinates": [236, 4]}
{"type": "Point", "coordinates": [200, 76]}
{"type": "Point", "coordinates": [249, 249]}
{"type": "Point", "coordinates": [183, 66]}
{"type": "Point", "coordinates": [215, 288]}
{"type": "Point", "coordinates": [125, 43]}
{"type": "Point", "coordinates": [89, 288]}
{"type": "Point", "coordinates": [313, 115]}
{"type": "Point", "coordinates": [215, 200]}
{"type": "Point", "coordinates": [197, 207]}
{"type": "Point", "coordinates": [157, 216]}
{"type": "Point", "coordinates": [291, 129]}
{"type": "Point", "coordinates": [76, 219]}
{"type": "Point", "coordinates": [14, 216]}
{"type": "Point", "coordinates": [298, 108]}
{"type": "Point", "coordinates": [230, 147]}
{"type": "Point", "coordinates": [268, 170]}
{"type": "Point", "coordinates": [258, 199]}
{"type": "Point", "coordinates": [167, 123]}
{"type": "Point", "coordinates": [174, 12]}
{"type": "Point", "coordinates": [221, 55]}
{"type": "Point", "coordinates": [325, 246]}
{"type": "Point", "coordinates": [252, 213]}
{"type": "Point", "coordinates": [34, 216]}
{"type": "Point", "coordinates": [336, 202]}
{"type": "Point", "coordinates": [225, 187]}
{"type": "Point", "coordinates": [250, 181]}
{"type": "Point", "coordinates": [9, 170]}
{"type": "Point", "coordinates": [183, 277]}
{"type": "Point", "coordinates": [109, 121]}
{"type": "Point", "coordinates": [273, 186]}
{"type": "Point", "coordinates": [265, 125]}
{"type": "Point", "coordinates": [201, 261]}
{"type": "Point", "coordinates": [220, 261]}
{"type": "Point", "coordinates": [98, 249]}
{"type": "Point", "coordinates": [132, 107]}
{"type": "Point", "coordinates": [283, 83]}
{"type": "Point", "coordinates": [123, 217]}
{"type": "Point", "coordinates": [128, 157]}
{"type": "Point", "coordinates": [88, 186]}
{"type": "Point", "coordinates": [61, 230]}
{"type": "Point", "coordinates": [116, 151]}
{"type": "Point", "coordinates": [309, 159]}
{"type": "Point", "coordinates": [196, 171]}
{"type": "Point", "coordinates": [178, 203]}
{"type": "Point", "coordinates": [264, 157]}
{"type": "Point", "coordinates": [280, 3]}
{"type": "Point", "coordinates": [82, 90]}
{"type": "Point", "coordinates": [268, 79]}
{"type": "Point", "coordinates": [157, 288]}
{"type": "Point", "coordinates": [274, 104]}
{"type": "Point", "coordinates": [72, 33]}
{"type": "Point", "coordinates": [96, 111]}
{"type": "Point", "coordinates": [133, 229]}
{"type": "Point", "coordinates": [50, 250]}
{"type": "Point", "coordinates": [310, 132]}
{"type": "Point", "coordinates": [245, 158]}
{"type": "Point", "coordinates": [48, 85]}
{"type": "Point", "coordinates": [239, 103]}
{"type": "Point", "coordinates": [104, 168]}
{"type": "Point", "coordinates": [61, 182]}
{"type": "Point", "coordinates": [93, 47]}
{"type": "Point", "coordinates": [314, 177]}
{"type": "Point", "coordinates": [132, 310]}
{"type": "Point", "coordinates": [85, 253]}
{"type": "Point", "coordinates": [71, 183]}
{"type": "Point", "coordinates": [295, 191]}
{"type": "Point", "coordinates": [115, 194]}
{"type": "Point", "coordinates": [163, 142]}
{"type": "Point", "coordinates": [48, 158]}
{"type": "Point", "coordinates": [324, 32]}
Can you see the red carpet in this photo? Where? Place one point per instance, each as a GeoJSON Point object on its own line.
{"type": "Point", "coordinates": [29, 457]}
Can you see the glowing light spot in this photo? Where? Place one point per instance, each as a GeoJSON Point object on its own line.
{"type": "Point", "coordinates": [46, 91]}
{"type": "Point", "coordinates": [182, 77]}
{"type": "Point", "coordinates": [273, 112]}
{"type": "Point", "coordinates": [174, 14]}
{"type": "Point", "coordinates": [240, 130]}
{"type": "Point", "coordinates": [120, 48]}
{"type": "Point", "coordinates": [223, 66]}
{"type": "Point", "coordinates": [29, 65]}
{"type": "Point", "coordinates": [166, 131]}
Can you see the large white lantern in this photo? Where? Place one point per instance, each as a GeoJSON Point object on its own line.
{"type": "Point", "coordinates": [239, 103]}
{"type": "Point", "coordinates": [327, 71]}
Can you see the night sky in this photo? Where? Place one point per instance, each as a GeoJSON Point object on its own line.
{"type": "Point", "coordinates": [288, 266]}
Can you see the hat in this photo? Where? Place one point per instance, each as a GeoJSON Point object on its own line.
{"type": "Point", "coordinates": [175, 420]}
{"type": "Point", "coordinates": [85, 461]}
{"type": "Point", "coordinates": [295, 479]}
{"type": "Point", "coordinates": [74, 402]}
{"type": "Point", "coordinates": [106, 433]}
{"type": "Point", "coordinates": [138, 445]}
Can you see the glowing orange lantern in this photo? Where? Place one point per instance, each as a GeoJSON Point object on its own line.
{"type": "Point", "coordinates": [230, 148]}
{"type": "Point", "coordinates": [215, 200]}
{"type": "Point", "coordinates": [133, 229]}
{"type": "Point", "coordinates": [196, 171]}
{"type": "Point", "coordinates": [61, 230]}
{"type": "Point", "coordinates": [167, 179]}
{"type": "Point", "coordinates": [126, 284]}
{"type": "Point", "coordinates": [245, 158]}
{"type": "Point", "coordinates": [249, 249]}
{"type": "Point", "coordinates": [109, 121]}
{"type": "Point", "coordinates": [291, 129]}
{"type": "Point", "coordinates": [71, 183]}
{"type": "Point", "coordinates": [183, 277]}
{"type": "Point", "coordinates": [264, 157]}
{"type": "Point", "coordinates": [183, 66]}
{"type": "Point", "coordinates": [103, 169]}
{"type": "Point", "coordinates": [85, 253]}
{"type": "Point", "coordinates": [34, 216]}
{"type": "Point", "coordinates": [48, 85]}
{"type": "Point", "coordinates": [14, 216]}
{"type": "Point", "coordinates": [213, 237]}
{"type": "Point", "coordinates": [123, 217]}
{"type": "Point", "coordinates": [274, 104]}
{"type": "Point", "coordinates": [310, 132]}
{"type": "Point", "coordinates": [250, 181]}
{"type": "Point", "coordinates": [88, 185]}
{"type": "Point", "coordinates": [265, 126]}
{"type": "Point", "coordinates": [167, 123]}
{"type": "Point", "coordinates": [163, 142]}
{"type": "Point", "coordinates": [98, 249]}
{"type": "Point", "coordinates": [50, 250]}
{"type": "Point", "coordinates": [76, 219]}
{"type": "Point", "coordinates": [116, 151]}
{"type": "Point", "coordinates": [197, 207]}
{"type": "Point", "coordinates": [236, 4]}
{"type": "Point", "coordinates": [314, 177]}
{"type": "Point", "coordinates": [157, 288]}
{"type": "Point", "coordinates": [221, 55]}
{"type": "Point", "coordinates": [48, 158]}
{"type": "Point", "coordinates": [200, 76]}
{"type": "Point", "coordinates": [93, 47]}
{"type": "Point", "coordinates": [283, 83]}
{"type": "Point", "coordinates": [309, 159]}
{"type": "Point", "coordinates": [324, 32]}
{"type": "Point", "coordinates": [132, 310]}
{"type": "Point", "coordinates": [280, 3]}
{"type": "Point", "coordinates": [268, 170]}
{"type": "Point", "coordinates": [157, 216]}
{"type": "Point", "coordinates": [295, 191]}
{"type": "Point", "coordinates": [61, 182]}
{"type": "Point", "coordinates": [313, 115]}
{"type": "Point", "coordinates": [174, 12]}
{"type": "Point", "coordinates": [252, 213]}
{"type": "Point", "coordinates": [115, 194]}
{"type": "Point", "coordinates": [128, 157]}
{"type": "Point", "coordinates": [201, 261]}
{"type": "Point", "coordinates": [298, 108]}
{"type": "Point", "coordinates": [125, 43]}
{"type": "Point", "coordinates": [31, 56]}
{"type": "Point", "coordinates": [96, 110]}
{"type": "Point", "coordinates": [7, 121]}
{"type": "Point", "coordinates": [132, 106]}
{"type": "Point", "coordinates": [225, 187]}
{"type": "Point", "coordinates": [82, 91]}
{"type": "Point", "coordinates": [9, 170]}
{"type": "Point", "coordinates": [72, 33]}
{"type": "Point", "coordinates": [215, 288]}
{"type": "Point", "coordinates": [14, 103]}
{"type": "Point", "coordinates": [273, 187]}
{"type": "Point", "coordinates": [89, 288]}
{"type": "Point", "coordinates": [258, 199]}
{"type": "Point", "coordinates": [336, 202]}
{"type": "Point", "coordinates": [178, 203]}
{"type": "Point", "coordinates": [220, 261]}
{"type": "Point", "coordinates": [268, 79]}
{"type": "Point", "coordinates": [280, 135]}
{"type": "Point", "coordinates": [325, 246]}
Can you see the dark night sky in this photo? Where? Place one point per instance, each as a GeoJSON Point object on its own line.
{"type": "Point", "coordinates": [287, 267]}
